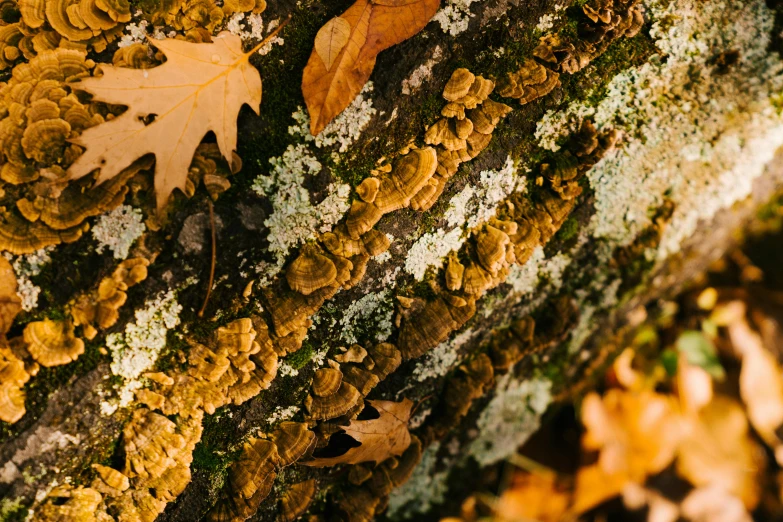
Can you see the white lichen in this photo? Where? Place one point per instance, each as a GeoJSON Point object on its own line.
{"type": "Point", "coordinates": [118, 229]}
{"type": "Point", "coordinates": [422, 73]}
{"type": "Point", "coordinates": [724, 140]}
{"type": "Point", "coordinates": [286, 370]}
{"type": "Point", "coordinates": [440, 360]}
{"type": "Point", "coordinates": [345, 129]}
{"type": "Point", "coordinates": [426, 487]}
{"type": "Point", "coordinates": [510, 418]}
{"type": "Point", "coordinates": [468, 210]}
{"type": "Point", "coordinates": [369, 317]}
{"type": "Point", "coordinates": [26, 266]}
{"type": "Point", "coordinates": [430, 250]}
{"type": "Point", "coordinates": [475, 205]}
{"type": "Point", "coordinates": [136, 350]}
{"type": "Point", "coordinates": [256, 26]}
{"type": "Point", "coordinates": [282, 414]}
{"type": "Point", "coordinates": [455, 16]}
{"type": "Point", "coordinates": [294, 219]}
{"type": "Point", "coordinates": [247, 27]}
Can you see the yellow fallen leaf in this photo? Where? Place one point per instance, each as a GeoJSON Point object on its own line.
{"type": "Point", "coordinates": [200, 88]}
{"type": "Point", "coordinates": [381, 438]}
{"type": "Point", "coordinates": [636, 435]}
{"type": "Point", "coordinates": [718, 451]}
{"type": "Point", "coordinates": [345, 49]}
{"type": "Point", "coordinates": [533, 496]}
{"type": "Point", "coordinates": [761, 384]}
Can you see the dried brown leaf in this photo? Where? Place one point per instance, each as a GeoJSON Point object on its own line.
{"type": "Point", "coordinates": [381, 438]}
{"type": "Point", "coordinates": [331, 39]}
{"type": "Point", "coordinates": [345, 49]}
{"type": "Point", "coordinates": [200, 88]}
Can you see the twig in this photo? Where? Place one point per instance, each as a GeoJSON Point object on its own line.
{"type": "Point", "coordinates": [270, 36]}
{"type": "Point", "coordinates": [212, 265]}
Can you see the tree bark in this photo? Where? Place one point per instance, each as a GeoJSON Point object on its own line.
{"type": "Point", "coordinates": [690, 106]}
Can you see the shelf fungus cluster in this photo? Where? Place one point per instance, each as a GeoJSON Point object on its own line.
{"type": "Point", "coordinates": [390, 188]}
{"type": "Point", "coordinates": [158, 450]}
{"type": "Point", "coordinates": [315, 275]}
{"type": "Point", "coordinates": [15, 371]}
{"type": "Point", "coordinates": [605, 21]}
{"type": "Point", "coordinates": [39, 112]}
{"type": "Point", "coordinates": [52, 343]}
{"type": "Point", "coordinates": [530, 82]}
{"type": "Point", "coordinates": [100, 309]}
{"type": "Point", "coordinates": [251, 477]}
{"type": "Point", "coordinates": [339, 390]}
{"type": "Point", "coordinates": [197, 15]}
{"type": "Point", "coordinates": [510, 237]}
{"type": "Point", "coordinates": [368, 489]}
{"type": "Point", "coordinates": [469, 119]}
{"type": "Point", "coordinates": [32, 27]}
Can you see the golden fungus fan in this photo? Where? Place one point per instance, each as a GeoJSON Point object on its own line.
{"type": "Point", "coordinates": [293, 440]}
{"type": "Point", "coordinates": [310, 271]}
{"type": "Point", "coordinates": [295, 500]}
{"type": "Point", "coordinates": [11, 402]}
{"type": "Point", "coordinates": [458, 85]}
{"type": "Point", "coordinates": [326, 381]}
{"type": "Point", "coordinates": [335, 405]}
{"type": "Point", "coordinates": [52, 343]}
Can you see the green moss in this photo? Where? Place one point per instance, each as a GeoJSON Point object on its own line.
{"type": "Point", "coordinates": [568, 231]}
{"type": "Point", "coordinates": [301, 357]}
{"type": "Point", "coordinates": [12, 511]}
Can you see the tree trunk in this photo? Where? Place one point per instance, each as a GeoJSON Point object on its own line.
{"type": "Point", "coordinates": [639, 168]}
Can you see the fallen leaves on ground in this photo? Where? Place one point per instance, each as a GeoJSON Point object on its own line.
{"type": "Point", "coordinates": [635, 435]}
{"type": "Point", "coordinates": [10, 303]}
{"type": "Point", "coordinates": [718, 452]}
{"type": "Point", "coordinates": [200, 88]}
{"type": "Point", "coordinates": [534, 496]}
{"type": "Point", "coordinates": [677, 433]}
{"type": "Point", "coordinates": [345, 49]}
{"type": "Point", "coordinates": [381, 438]}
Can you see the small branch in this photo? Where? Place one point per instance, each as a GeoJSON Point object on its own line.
{"type": "Point", "coordinates": [270, 36]}
{"type": "Point", "coordinates": [212, 265]}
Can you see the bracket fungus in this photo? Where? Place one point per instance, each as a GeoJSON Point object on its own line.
{"type": "Point", "coordinates": [326, 381]}
{"type": "Point", "coordinates": [14, 373]}
{"type": "Point", "coordinates": [52, 343]}
{"type": "Point", "coordinates": [343, 401]}
{"type": "Point", "coordinates": [72, 503]}
{"type": "Point", "coordinates": [396, 189]}
{"type": "Point", "coordinates": [296, 499]}
{"type": "Point", "coordinates": [100, 309]}
{"type": "Point", "coordinates": [469, 119]}
{"type": "Point", "coordinates": [310, 271]}
{"type": "Point", "coordinates": [293, 441]}
{"type": "Point", "coordinates": [530, 82]}
{"type": "Point", "coordinates": [251, 479]}
{"type": "Point", "coordinates": [10, 302]}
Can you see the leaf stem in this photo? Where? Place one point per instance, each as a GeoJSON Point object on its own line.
{"type": "Point", "coordinates": [212, 264]}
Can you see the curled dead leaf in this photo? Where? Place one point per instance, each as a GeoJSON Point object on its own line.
{"type": "Point", "coordinates": [345, 49]}
{"type": "Point", "coordinates": [381, 438]}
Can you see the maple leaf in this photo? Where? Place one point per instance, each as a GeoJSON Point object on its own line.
{"type": "Point", "coordinates": [200, 88]}
{"type": "Point", "coordinates": [345, 48]}
{"type": "Point", "coordinates": [381, 438]}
